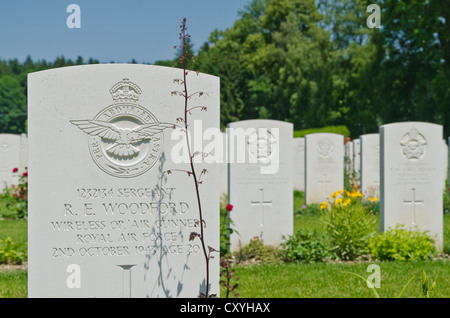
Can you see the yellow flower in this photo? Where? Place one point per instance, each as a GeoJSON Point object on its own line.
{"type": "Point", "coordinates": [373, 199]}
{"type": "Point", "coordinates": [346, 202]}
{"type": "Point", "coordinates": [336, 194]}
{"type": "Point", "coordinates": [338, 201]}
{"type": "Point", "coordinates": [357, 194]}
{"type": "Point", "coordinates": [323, 205]}
{"type": "Point", "coordinates": [347, 194]}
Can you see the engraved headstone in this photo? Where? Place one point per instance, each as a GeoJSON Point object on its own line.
{"type": "Point", "coordinates": [411, 177]}
{"type": "Point", "coordinates": [357, 160]}
{"type": "Point", "coordinates": [445, 163]}
{"type": "Point", "coordinates": [261, 181]}
{"type": "Point", "coordinates": [106, 218]}
{"type": "Point", "coordinates": [370, 165]}
{"type": "Point", "coordinates": [299, 163]}
{"type": "Point", "coordinates": [348, 158]}
{"type": "Point", "coordinates": [324, 166]}
{"type": "Point", "coordinates": [224, 168]}
{"type": "Point", "coordinates": [12, 155]}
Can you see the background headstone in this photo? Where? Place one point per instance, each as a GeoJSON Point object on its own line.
{"type": "Point", "coordinates": [104, 218]}
{"type": "Point", "coordinates": [445, 164]}
{"type": "Point", "coordinates": [324, 166]}
{"type": "Point", "coordinates": [357, 160]}
{"type": "Point", "coordinates": [348, 158]}
{"type": "Point", "coordinates": [12, 152]}
{"type": "Point", "coordinates": [370, 165]}
{"type": "Point", "coordinates": [298, 145]}
{"type": "Point", "coordinates": [224, 168]}
{"type": "Point", "coordinates": [262, 202]}
{"type": "Point", "coordinates": [411, 177]}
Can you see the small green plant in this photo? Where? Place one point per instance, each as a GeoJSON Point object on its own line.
{"type": "Point", "coordinates": [9, 252]}
{"type": "Point", "coordinates": [226, 226]}
{"type": "Point", "coordinates": [348, 224]}
{"type": "Point", "coordinates": [255, 250]}
{"type": "Point", "coordinates": [227, 272]}
{"type": "Point", "coordinates": [402, 244]}
{"type": "Point", "coordinates": [426, 288]}
{"type": "Point", "coordinates": [304, 246]}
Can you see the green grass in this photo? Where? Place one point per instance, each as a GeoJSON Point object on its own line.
{"type": "Point", "coordinates": [13, 284]}
{"type": "Point", "coordinates": [325, 280]}
{"type": "Point", "coordinates": [14, 228]}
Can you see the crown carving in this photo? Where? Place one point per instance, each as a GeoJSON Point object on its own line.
{"type": "Point", "coordinates": [125, 91]}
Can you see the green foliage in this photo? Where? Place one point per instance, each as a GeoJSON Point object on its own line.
{"type": "Point", "coordinates": [402, 244]}
{"type": "Point", "coordinates": [341, 130]}
{"type": "Point", "coordinates": [348, 224]}
{"type": "Point", "coordinates": [446, 200]}
{"type": "Point", "coordinates": [305, 247]}
{"type": "Point", "coordinates": [12, 105]}
{"type": "Point", "coordinates": [256, 251]}
{"type": "Point", "coordinates": [13, 89]}
{"type": "Point", "coordinates": [227, 275]}
{"type": "Point", "coordinates": [427, 289]}
{"type": "Point", "coordinates": [14, 200]}
{"type": "Point", "coordinates": [226, 228]}
{"type": "Point", "coordinates": [9, 252]}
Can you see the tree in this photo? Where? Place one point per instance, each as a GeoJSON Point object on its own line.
{"type": "Point", "coordinates": [13, 106]}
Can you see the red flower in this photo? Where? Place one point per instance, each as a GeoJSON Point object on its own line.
{"type": "Point", "coordinates": [25, 174]}
{"type": "Point", "coordinates": [15, 169]}
{"type": "Point", "coordinates": [229, 207]}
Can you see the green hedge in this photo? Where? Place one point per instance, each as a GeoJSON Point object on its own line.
{"type": "Point", "coordinates": [341, 130]}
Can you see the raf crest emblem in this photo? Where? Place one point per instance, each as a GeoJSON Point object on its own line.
{"type": "Point", "coordinates": [125, 139]}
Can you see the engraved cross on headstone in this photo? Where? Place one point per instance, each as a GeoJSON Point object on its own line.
{"type": "Point", "coordinates": [324, 182]}
{"type": "Point", "coordinates": [261, 203]}
{"type": "Point", "coordinates": [413, 202]}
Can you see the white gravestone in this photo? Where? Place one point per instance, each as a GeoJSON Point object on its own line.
{"type": "Point", "coordinates": [224, 168]}
{"type": "Point", "coordinates": [357, 160]}
{"type": "Point", "coordinates": [260, 181]}
{"type": "Point", "coordinates": [105, 220]}
{"type": "Point", "coordinates": [445, 164]}
{"type": "Point", "coordinates": [370, 165]}
{"type": "Point", "coordinates": [11, 148]}
{"type": "Point", "coordinates": [324, 166]}
{"type": "Point", "coordinates": [348, 159]}
{"type": "Point", "coordinates": [299, 163]}
{"type": "Point", "coordinates": [411, 177]}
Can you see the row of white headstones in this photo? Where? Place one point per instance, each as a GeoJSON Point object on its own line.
{"type": "Point", "coordinates": [111, 212]}
{"type": "Point", "coordinates": [404, 167]}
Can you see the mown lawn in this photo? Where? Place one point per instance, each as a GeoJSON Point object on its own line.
{"type": "Point", "coordinates": [325, 280]}
{"type": "Point", "coordinates": [13, 284]}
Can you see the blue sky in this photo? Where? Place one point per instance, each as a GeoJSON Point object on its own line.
{"type": "Point", "coordinates": [111, 30]}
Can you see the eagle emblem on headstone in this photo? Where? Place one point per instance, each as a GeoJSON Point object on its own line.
{"type": "Point", "coordinates": [125, 138]}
